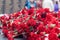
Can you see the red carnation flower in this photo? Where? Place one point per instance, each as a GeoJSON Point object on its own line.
{"type": "Point", "coordinates": [41, 28]}
{"type": "Point", "coordinates": [10, 36]}
{"type": "Point", "coordinates": [52, 36]}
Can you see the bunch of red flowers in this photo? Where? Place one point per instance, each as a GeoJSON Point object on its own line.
{"type": "Point", "coordinates": [33, 24]}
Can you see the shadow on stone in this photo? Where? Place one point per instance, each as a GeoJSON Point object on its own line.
{"type": "Point", "coordinates": [20, 36]}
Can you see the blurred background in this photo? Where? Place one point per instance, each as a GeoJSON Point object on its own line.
{"type": "Point", "coordinates": [11, 6]}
